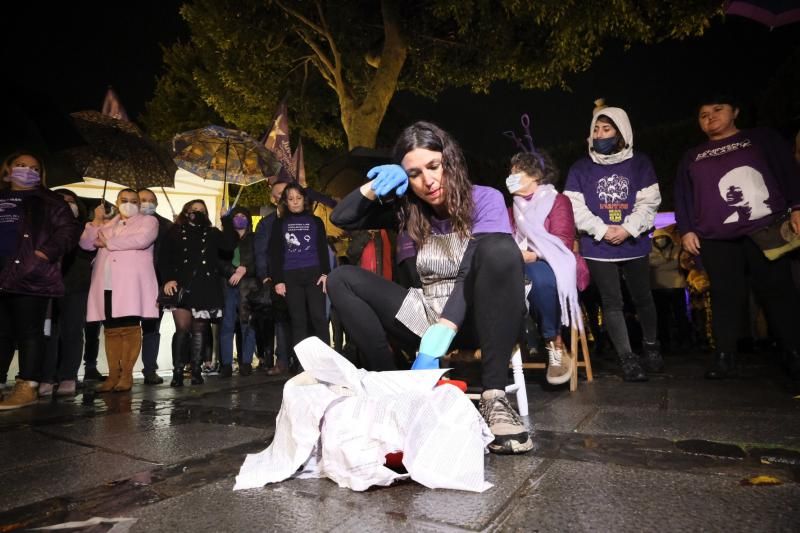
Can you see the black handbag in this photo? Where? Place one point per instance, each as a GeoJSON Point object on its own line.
{"type": "Point", "coordinates": [177, 298]}
{"type": "Point", "coordinates": [168, 301]}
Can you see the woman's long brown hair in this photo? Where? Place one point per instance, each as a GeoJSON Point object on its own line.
{"type": "Point", "coordinates": [414, 212]}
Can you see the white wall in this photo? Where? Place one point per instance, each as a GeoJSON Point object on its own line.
{"type": "Point", "coordinates": [187, 187]}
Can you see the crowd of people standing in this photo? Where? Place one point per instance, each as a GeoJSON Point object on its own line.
{"type": "Point", "coordinates": [468, 268]}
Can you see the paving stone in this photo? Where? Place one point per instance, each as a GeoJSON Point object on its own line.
{"type": "Point", "coordinates": [100, 427]}
{"type": "Point", "coordinates": [25, 447]}
{"type": "Point", "coordinates": [574, 496]}
{"type": "Point", "coordinates": [561, 415]}
{"type": "Point", "coordinates": [170, 444]}
{"type": "Point", "coordinates": [612, 391]}
{"type": "Point", "coordinates": [414, 502]}
{"type": "Point", "coordinates": [725, 426]}
{"type": "Point", "coordinates": [266, 397]}
{"type": "Point", "coordinates": [63, 476]}
{"type": "Point", "coordinates": [217, 507]}
{"type": "Point", "coordinates": [730, 395]}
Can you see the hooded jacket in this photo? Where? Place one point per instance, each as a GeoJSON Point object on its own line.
{"type": "Point", "coordinates": [614, 189]}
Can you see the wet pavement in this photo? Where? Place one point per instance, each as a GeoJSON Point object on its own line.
{"type": "Point", "coordinates": [671, 454]}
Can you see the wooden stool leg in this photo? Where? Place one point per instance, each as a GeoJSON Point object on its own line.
{"type": "Point", "coordinates": [587, 361]}
{"type": "Point", "coordinates": [573, 352]}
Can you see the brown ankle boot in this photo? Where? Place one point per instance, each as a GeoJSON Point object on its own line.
{"type": "Point", "coordinates": [24, 393]}
{"type": "Point", "coordinates": [114, 351]}
{"type": "Point", "coordinates": [131, 345]}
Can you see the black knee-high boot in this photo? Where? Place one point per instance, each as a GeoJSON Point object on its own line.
{"type": "Point", "coordinates": [198, 349]}
{"type": "Point", "coordinates": [180, 344]}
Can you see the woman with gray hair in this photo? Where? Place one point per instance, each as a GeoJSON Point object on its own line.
{"type": "Point", "coordinates": [544, 229]}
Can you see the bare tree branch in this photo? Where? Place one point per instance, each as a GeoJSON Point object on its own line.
{"type": "Point", "coordinates": [302, 18]}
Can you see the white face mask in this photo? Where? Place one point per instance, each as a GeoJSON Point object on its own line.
{"type": "Point", "coordinates": [148, 208]}
{"type": "Point", "coordinates": [74, 208]}
{"type": "Point", "coordinates": [128, 210]}
{"type": "Point", "coordinates": [514, 183]}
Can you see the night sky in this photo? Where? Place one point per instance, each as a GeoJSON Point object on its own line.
{"type": "Point", "coordinates": [73, 50]}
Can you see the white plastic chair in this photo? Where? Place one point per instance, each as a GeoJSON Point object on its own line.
{"type": "Point", "coordinates": [517, 387]}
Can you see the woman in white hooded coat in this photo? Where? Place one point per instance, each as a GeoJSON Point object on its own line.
{"type": "Point", "coordinates": [615, 197]}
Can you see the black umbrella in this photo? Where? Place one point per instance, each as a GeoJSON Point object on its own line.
{"type": "Point", "coordinates": [120, 152]}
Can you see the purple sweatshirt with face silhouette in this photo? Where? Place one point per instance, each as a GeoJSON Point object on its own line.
{"type": "Point", "coordinates": [731, 187]}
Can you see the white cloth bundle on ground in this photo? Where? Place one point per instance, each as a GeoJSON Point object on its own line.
{"type": "Point", "coordinates": [339, 422]}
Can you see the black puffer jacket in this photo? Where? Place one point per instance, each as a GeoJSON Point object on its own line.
{"type": "Point", "coordinates": [49, 226]}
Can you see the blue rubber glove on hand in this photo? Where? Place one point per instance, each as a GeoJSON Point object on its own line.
{"type": "Point", "coordinates": [435, 343]}
{"type": "Point", "coordinates": [388, 178]}
{"type": "Point", "coordinates": [425, 362]}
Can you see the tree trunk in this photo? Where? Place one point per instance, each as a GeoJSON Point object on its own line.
{"type": "Point", "coordinates": [362, 121]}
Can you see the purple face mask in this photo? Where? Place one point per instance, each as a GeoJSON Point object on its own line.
{"type": "Point", "coordinates": [24, 177]}
{"type": "Point", "coordinates": [240, 222]}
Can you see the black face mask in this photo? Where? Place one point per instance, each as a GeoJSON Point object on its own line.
{"type": "Point", "coordinates": [198, 218]}
{"type": "Point", "coordinates": [605, 146]}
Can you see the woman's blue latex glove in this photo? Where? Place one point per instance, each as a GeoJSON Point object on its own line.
{"type": "Point", "coordinates": [435, 343]}
{"type": "Point", "coordinates": [388, 178]}
{"type": "Point", "coordinates": [425, 362]}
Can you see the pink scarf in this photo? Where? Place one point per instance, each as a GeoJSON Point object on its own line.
{"type": "Point", "coordinates": [531, 234]}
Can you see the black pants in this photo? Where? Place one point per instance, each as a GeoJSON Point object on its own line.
{"type": "Point", "coordinates": [151, 338]}
{"type": "Point", "coordinates": [494, 290]}
{"type": "Point", "coordinates": [91, 344]}
{"type": "Point", "coordinates": [733, 267]}
{"type": "Point", "coordinates": [674, 329]}
{"type": "Point", "coordinates": [22, 326]}
{"type": "Point", "coordinates": [605, 274]}
{"type": "Point", "coordinates": [306, 303]}
{"type": "Point", "coordinates": [65, 345]}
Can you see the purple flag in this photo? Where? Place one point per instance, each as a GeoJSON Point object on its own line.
{"type": "Point", "coordinates": [113, 108]}
{"type": "Point", "coordinates": [277, 142]}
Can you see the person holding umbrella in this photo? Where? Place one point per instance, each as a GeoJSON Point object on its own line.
{"type": "Point", "coordinates": [37, 228]}
{"type": "Point", "coordinates": [151, 335]}
{"type": "Point", "coordinates": [65, 344]}
{"type": "Point", "coordinates": [124, 286]}
{"type": "Point", "coordinates": [189, 263]}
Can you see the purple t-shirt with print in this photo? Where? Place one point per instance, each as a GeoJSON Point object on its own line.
{"type": "Point", "coordinates": [489, 216]}
{"type": "Point", "coordinates": [300, 236]}
{"type": "Point", "coordinates": [609, 192]}
{"type": "Point", "coordinates": [731, 187]}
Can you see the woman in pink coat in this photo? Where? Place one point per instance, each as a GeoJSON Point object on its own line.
{"type": "Point", "coordinates": [124, 286]}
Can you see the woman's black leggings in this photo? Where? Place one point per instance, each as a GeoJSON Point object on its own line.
{"type": "Point", "coordinates": [494, 291]}
{"type": "Point", "coordinates": [306, 303]}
